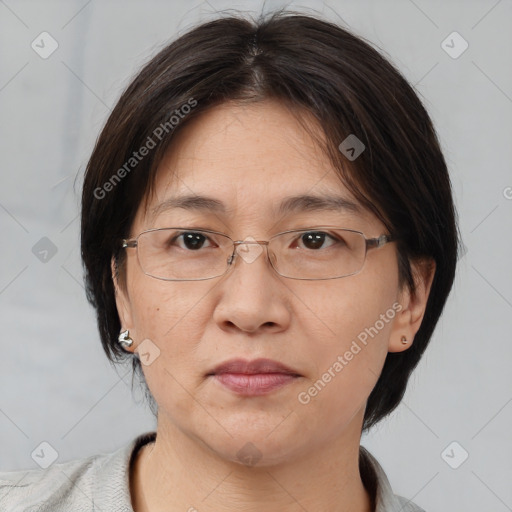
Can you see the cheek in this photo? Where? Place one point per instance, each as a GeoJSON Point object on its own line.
{"type": "Point", "coordinates": [165, 311]}
{"type": "Point", "coordinates": [336, 312]}
{"type": "Point", "coordinates": [159, 315]}
{"type": "Point", "coordinates": [345, 371]}
{"type": "Point", "coordinates": [167, 314]}
{"type": "Point", "coordinates": [174, 317]}
{"type": "Point", "coordinates": [348, 324]}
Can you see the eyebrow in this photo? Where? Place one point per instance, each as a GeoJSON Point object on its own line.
{"type": "Point", "coordinates": [291, 204]}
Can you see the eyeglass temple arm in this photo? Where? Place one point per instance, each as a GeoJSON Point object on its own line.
{"type": "Point", "coordinates": [129, 243]}
{"type": "Point", "coordinates": [380, 241]}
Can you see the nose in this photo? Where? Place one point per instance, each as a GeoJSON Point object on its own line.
{"type": "Point", "coordinates": [252, 296]}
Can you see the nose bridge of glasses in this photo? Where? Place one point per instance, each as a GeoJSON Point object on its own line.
{"type": "Point", "coordinates": [258, 242]}
{"type": "Point", "coordinates": [248, 255]}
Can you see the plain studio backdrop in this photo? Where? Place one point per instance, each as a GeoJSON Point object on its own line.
{"type": "Point", "coordinates": [448, 445]}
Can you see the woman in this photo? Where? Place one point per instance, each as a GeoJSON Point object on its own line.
{"type": "Point", "coordinates": [268, 232]}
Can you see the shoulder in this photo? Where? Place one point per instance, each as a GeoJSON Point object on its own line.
{"type": "Point", "coordinates": [98, 482]}
{"type": "Point", "coordinates": [407, 505]}
{"type": "Point", "coordinates": [377, 483]}
{"type": "Point", "coordinates": [47, 489]}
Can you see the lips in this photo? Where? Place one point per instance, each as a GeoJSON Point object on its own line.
{"type": "Point", "coordinates": [256, 366]}
{"type": "Point", "coordinates": [253, 378]}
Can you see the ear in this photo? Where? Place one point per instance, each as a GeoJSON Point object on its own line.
{"type": "Point", "coordinates": [122, 300]}
{"type": "Point", "coordinates": [408, 319]}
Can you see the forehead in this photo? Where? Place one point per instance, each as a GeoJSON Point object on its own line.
{"type": "Point", "coordinates": [246, 156]}
{"type": "Point", "coordinates": [244, 141]}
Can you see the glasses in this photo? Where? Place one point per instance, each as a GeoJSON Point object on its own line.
{"type": "Point", "coordinates": [183, 254]}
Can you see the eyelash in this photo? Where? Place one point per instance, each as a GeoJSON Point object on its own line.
{"type": "Point", "coordinates": [296, 238]}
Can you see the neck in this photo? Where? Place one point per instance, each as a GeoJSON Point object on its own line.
{"type": "Point", "coordinates": [180, 473]}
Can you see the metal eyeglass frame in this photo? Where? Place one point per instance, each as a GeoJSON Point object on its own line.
{"type": "Point", "coordinates": [370, 243]}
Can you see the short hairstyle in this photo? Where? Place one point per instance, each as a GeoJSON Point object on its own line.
{"type": "Point", "coordinates": [311, 66]}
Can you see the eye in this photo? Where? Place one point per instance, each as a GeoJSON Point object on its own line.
{"type": "Point", "coordinates": [315, 240]}
{"type": "Point", "coordinates": [190, 240]}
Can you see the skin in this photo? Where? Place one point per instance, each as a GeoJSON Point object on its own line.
{"type": "Point", "coordinates": [251, 157]}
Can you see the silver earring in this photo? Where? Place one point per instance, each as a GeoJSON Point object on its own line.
{"type": "Point", "coordinates": [124, 339]}
{"type": "Point", "coordinates": [404, 340]}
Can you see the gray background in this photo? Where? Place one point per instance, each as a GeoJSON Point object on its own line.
{"type": "Point", "coordinates": [56, 384]}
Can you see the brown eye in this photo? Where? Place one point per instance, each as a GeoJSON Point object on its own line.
{"type": "Point", "coordinates": [315, 240]}
{"type": "Point", "coordinates": [190, 240]}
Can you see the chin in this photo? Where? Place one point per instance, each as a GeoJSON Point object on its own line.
{"type": "Point", "coordinates": [258, 450]}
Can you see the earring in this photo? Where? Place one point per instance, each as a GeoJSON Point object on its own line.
{"type": "Point", "coordinates": [124, 339]}
{"type": "Point", "coordinates": [404, 340]}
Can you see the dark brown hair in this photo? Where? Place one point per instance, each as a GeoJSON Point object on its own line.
{"type": "Point", "coordinates": [312, 66]}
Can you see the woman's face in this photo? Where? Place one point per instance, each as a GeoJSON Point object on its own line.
{"type": "Point", "coordinates": [250, 159]}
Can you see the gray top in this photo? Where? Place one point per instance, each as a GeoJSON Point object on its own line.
{"type": "Point", "coordinates": [100, 483]}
